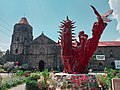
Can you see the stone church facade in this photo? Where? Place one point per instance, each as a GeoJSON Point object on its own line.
{"type": "Point", "coordinates": [25, 49]}
{"type": "Point", "coordinates": [44, 50]}
{"type": "Point", "coordinates": [109, 51]}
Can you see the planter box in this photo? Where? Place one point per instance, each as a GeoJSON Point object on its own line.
{"type": "Point", "coordinates": [116, 84]}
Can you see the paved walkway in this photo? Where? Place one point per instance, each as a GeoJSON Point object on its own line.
{"type": "Point", "coordinates": [5, 74]}
{"type": "Point", "coordinates": [19, 87]}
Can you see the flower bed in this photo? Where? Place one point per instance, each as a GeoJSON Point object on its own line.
{"type": "Point", "coordinates": [76, 82]}
{"type": "Point", "coordinates": [68, 81]}
{"type": "Point", "coordinates": [105, 80]}
{"type": "Point", "coordinates": [49, 81]}
{"type": "Point", "coordinates": [61, 81]}
{"type": "Point", "coordinates": [10, 81]}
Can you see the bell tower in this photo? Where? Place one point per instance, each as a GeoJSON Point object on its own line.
{"type": "Point", "coordinates": [22, 35]}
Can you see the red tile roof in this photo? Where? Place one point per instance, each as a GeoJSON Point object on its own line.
{"type": "Point", "coordinates": [23, 21]}
{"type": "Point", "coordinates": [109, 43]}
{"type": "Point", "coordinates": [102, 43]}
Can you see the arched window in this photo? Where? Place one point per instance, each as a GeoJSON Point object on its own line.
{"type": "Point", "coordinates": [111, 53]}
{"type": "Point", "coordinates": [100, 64]}
{"type": "Point", "coordinates": [16, 50]}
{"type": "Point", "coordinates": [18, 39]}
{"type": "Point", "coordinates": [25, 40]}
{"type": "Point", "coordinates": [42, 40]}
{"type": "Point", "coordinates": [42, 50]}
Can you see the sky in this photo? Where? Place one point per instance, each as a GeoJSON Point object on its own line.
{"type": "Point", "coordinates": [46, 15]}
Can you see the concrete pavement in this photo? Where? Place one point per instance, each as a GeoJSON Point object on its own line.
{"type": "Point", "coordinates": [18, 87]}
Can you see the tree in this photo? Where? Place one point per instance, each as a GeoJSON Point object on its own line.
{"type": "Point", "coordinates": [2, 53]}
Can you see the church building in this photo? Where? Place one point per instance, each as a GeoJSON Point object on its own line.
{"type": "Point", "coordinates": [41, 51]}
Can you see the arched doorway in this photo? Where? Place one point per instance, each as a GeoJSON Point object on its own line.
{"type": "Point", "coordinates": [113, 65]}
{"type": "Point", "coordinates": [101, 66]}
{"type": "Point", "coordinates": [41, 65]}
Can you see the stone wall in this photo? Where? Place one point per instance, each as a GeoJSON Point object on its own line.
{"type": "Point", "coordinates": [111, 53]}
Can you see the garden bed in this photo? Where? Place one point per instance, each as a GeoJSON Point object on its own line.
{"type": "Point", "coordinates": [61, 81]}
{"type": "Point", "coordinates": [50, 81]}
{"type": "Point", "coordinates": [10, 81]}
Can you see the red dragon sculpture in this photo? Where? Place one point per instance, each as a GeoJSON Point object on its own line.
{"type": "Point", "coordinates": [75, 58]}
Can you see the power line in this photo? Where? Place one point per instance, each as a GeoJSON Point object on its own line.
{"type": "Point", "coordinates": [4, 33]}
{"type": "Point", "coordinates": [5, 45]}
{"type": "Point", "coordinates": [5, 22]}
{"type": "Point", "coordinates": [5, 39]}
{"type": "Point", "coordinates": [5, 28]}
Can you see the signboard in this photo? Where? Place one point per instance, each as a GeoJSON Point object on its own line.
{"type": "Point", "coordinates": [116, 84]}
{"type": "Point", "coordinates": [100, 57]}
{"type": "Point", "coordinates": [117, 64]}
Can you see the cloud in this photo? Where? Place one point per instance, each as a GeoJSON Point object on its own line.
{"type": "Point", "coordinates": [115, 5]}
{"type": "Point", "coordinates": [4, 46]}
{"type": "Point", "coordinates": [0, 48]}
{"type": "Point", "coordinates": [118, 39]}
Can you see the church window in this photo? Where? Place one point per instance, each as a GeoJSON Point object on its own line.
{"type": "Point", "coordinates": [18, 39]}
{"type": "Point", "coordinates": [42, 40]}
{"type": "Point", "coordinates": [100, 64]}
{"type": "Point", "coordinates": [42, 50]}
{"type": "Point", "coordinates": [16, 51]}
{"type": "Point", "coordinates": [25, 39]}
{"type": "Point", "coordinates": [111, 53]}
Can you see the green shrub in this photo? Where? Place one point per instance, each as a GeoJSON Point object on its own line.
{"type": "Point", "coordinates": [31, 81]}
{"type": "Point", "coordinates": [27, 73]}
{"type": "Point", "coordinates": [32, 85]}
{"type": "Point", "coordinates": [19, 73]}
{"type": "Point", "coordinates": [105, 80]}
{"type": "Point", "coordinates": [35, 76]}
{"type": "Point", "coordinates": [46, 76]}
{"type": "Point", "coordinates": [3, 87]}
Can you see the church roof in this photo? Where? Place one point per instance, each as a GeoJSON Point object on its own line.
{"type": "Point", "coordinates": [104, 43]}
{"type": "Point", "coordinates": [109, 43]}
{"type": "Point", "coordinates": [43, 39]}
{"type": "Point", "coordinates": [23, 21]}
